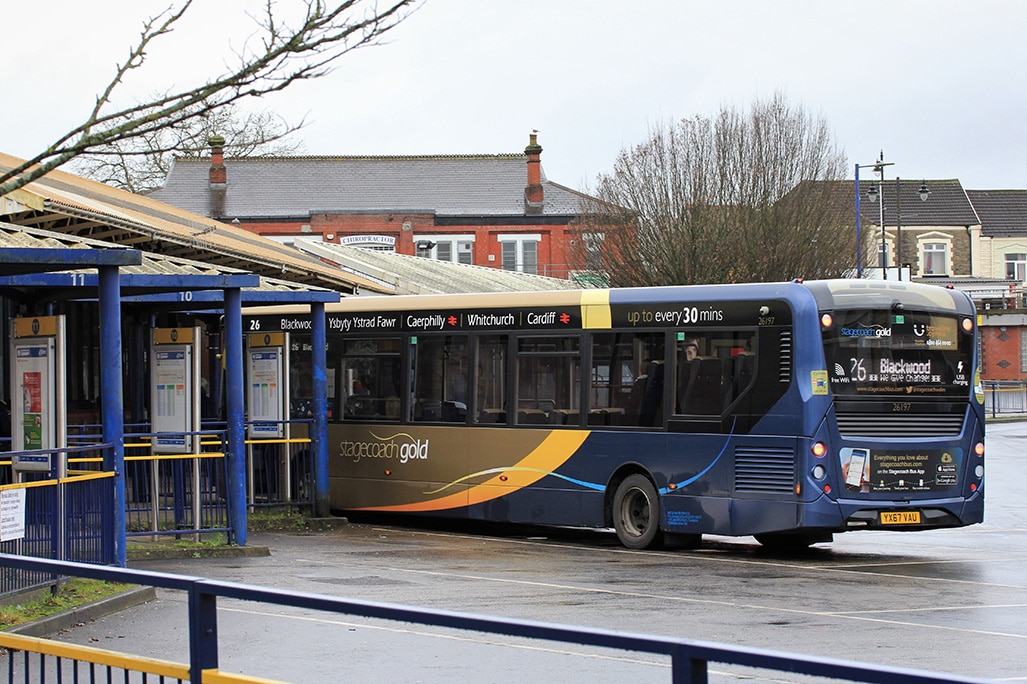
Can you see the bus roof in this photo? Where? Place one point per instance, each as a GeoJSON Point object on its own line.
{"type": "Point", "coordinates": [885, 294]}
{"type": "Point", "coordinates": [829, 295]}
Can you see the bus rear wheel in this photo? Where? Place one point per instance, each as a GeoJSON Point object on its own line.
{"type": "Point", "coordinates": [636, 512]}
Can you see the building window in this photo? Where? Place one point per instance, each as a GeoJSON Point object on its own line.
{"type": "Point", "coordinates": [935, 258]}
{"type": "Point", "coordinates": [1016, 267]}
{"type": "Point", "coordinates": [457, 249]}
{"type": "Point", "coordinates": [882, 254]}
{"type": "Point", "coordinates": [520, 252]}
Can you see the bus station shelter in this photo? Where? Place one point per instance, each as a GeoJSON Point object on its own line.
{"type": "Point", "coordinates": [42, 272]}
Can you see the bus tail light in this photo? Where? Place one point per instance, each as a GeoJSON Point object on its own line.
{"type": "Point", "coordinates": [818, 472]}
{"type": "Point", "coordinates": [979, 448]}
{"type": "Point", "coordinates": [826, 321]}
{"type": "Point", "coordinates": [819, 449]}
{"type": "Point", "coordinates": [967, 324]}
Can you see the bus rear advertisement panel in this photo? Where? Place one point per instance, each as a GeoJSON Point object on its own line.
{"type": "Point", "coordinates": [789, 411]}
{"type": "Point", "coordinates": [901, 471]}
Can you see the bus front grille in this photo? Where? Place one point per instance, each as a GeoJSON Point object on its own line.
{"type": "Point", "coordinates": [764, 469]}
{"type": "Point", "coordinates": [900, 425]}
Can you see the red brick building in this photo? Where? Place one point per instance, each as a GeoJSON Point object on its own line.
{"type": "Point", "coordinates": [491, 210]}
{"type": "Point", "coordinates": [1004, 345]}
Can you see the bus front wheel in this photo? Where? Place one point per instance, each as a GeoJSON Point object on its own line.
{"type": "Point", "coordinates": [636, 512]}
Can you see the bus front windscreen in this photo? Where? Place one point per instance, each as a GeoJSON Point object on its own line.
{"type": "Point", "coordinates": [887, 353]}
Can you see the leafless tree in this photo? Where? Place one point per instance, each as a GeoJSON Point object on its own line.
{"type": "Point", "coordinates": [733, 198]}
{"type": "Point", "coordinates": [279, 55]}
{"type": "Point", "coordinates": [141, 163]}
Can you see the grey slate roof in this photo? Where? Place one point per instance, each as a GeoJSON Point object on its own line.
{"type": "Point", "coordinates": [1003, 213]}
{"type": "Point", "coordinates": [446, 185]}
{"type": "Point", "coordinates": [947, 205]}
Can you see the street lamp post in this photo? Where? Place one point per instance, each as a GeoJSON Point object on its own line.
{"type": "Point", "coordinates": [872, 195]}
{"type": "Point", "coordinates": [859, 220]}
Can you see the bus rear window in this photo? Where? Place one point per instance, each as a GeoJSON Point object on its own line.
{"type": "Point", "coordinates": [881, 352]}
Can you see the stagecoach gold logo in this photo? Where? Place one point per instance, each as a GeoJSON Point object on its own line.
{"type": "Point", "coordinates": [400, 446]}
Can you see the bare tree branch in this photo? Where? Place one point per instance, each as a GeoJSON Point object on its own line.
{"type": "Point", "coordinates": [724, 199]}
{"type": "Point", "coordinates": [279, 57]}
{"type": "Point", "coordinates": [141, 163]}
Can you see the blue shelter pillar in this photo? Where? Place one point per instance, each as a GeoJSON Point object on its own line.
{"type": "Point", "coordinates": [319, 433]}
{"type": "Point", "coordinates": [235, 459]}
{"type": "Point", "coordinates": [112, 402]}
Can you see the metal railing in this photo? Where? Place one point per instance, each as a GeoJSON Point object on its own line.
{"type": "Point", "coordinates": [31, 659]}
{"type": "Point", "coordinates": [689, 659]}
{"type": "Point", "coordinates": [166, 495]}
{"type": "Point", "coordinates": [1005, 398]}
{"type": "Point", "coordinates": [280, 470]}
{"type": "Point", "coordinates": [60, 518]}
{"type": "Point", "coordinates": [175, 494]}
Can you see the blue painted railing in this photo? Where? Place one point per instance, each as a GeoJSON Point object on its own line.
{"type": "Point", "coordinates": [689, 659]}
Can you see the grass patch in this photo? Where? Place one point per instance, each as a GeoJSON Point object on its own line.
{"type": "Point", "coordinates": [74, 593]}
{"type": "Point", "coordinates": [276, 519]}
{"type": "Point", "coordinates": [77, 592]}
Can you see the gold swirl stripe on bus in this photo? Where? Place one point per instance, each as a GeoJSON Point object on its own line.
{"type": "Point", "coordinates": [551, 453]}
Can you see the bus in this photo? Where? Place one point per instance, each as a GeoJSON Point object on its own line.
{"type": "Point", "coordinates": [786, 411]}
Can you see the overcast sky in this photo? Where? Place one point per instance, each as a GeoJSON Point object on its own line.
{"type": "Point", "coordinates": [939, 85]}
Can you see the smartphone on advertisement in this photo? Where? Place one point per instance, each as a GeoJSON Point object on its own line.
{"type": "Point", "coordinates": [857, 461]}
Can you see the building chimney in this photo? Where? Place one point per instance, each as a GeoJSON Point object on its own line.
{"type": "Point", "coordinates": [218, 173]}
{"type": "Point", "coordinates": [534, 194]}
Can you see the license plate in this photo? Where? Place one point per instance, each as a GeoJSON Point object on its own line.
{"type": "Point", "coordinates": [900, 517]}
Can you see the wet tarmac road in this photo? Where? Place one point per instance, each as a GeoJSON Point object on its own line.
{"type": "Point", "coordinates": [946, 600]}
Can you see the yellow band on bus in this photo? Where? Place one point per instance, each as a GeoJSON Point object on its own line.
{"type": "Point", "coordinates": [595, 309]}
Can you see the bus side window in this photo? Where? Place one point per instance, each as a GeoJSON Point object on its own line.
{"type": "Point", "coordinates": [626, 379]}
{"type": "Point", "coordinates": [490, 383]}
{"type": "Point", "coordinates": [687, 364]}
{"type": "Point", "coordinates": [369, 373]}
{"type": "Point", "coordinates": [440, 378]}
{"type": "Point", "coordinates": [645, 402]}
{"type": "Point", "coordinates": [713, 370]}
{"type": "Point", "coordinates": [548, 380]}
{"type": "Point", "coordinates": [743, 367]}
{"type": "Point", "coordinates": [705, 387]}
